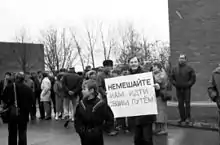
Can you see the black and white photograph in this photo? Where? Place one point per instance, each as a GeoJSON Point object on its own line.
{"type": "Point", "coordinates": [108, 72]}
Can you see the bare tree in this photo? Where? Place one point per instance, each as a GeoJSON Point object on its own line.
{"type": "Point", "coordinates": [22, 36]}
{"type": "Point", "coordinates": [87, 59]}
{"type": "Point", "coordinates": [79, 49]}
{"type": "Point", "coordinates": [129, 45]}
{"type": "Point", "coordinates": [24, 58]}
{"type": "Point", "coordinates": [107, 44]}
{"type": "Point", "coordinates": [59, 52]}
{"type": "Point", "coordinates": [92, 38]}
{"type": "Point", "coordinates": [160, 51]}
{"type": "Point", "coordinates": [24, 53]}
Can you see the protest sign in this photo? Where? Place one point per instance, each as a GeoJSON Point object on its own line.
{"type": "Point", "coordinates": [132, 95]}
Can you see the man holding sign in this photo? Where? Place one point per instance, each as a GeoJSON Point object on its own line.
{"type": "Point", "coordinates": [134, 95]}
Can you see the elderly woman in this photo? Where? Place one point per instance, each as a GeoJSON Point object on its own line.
{"type": "Point", "coordinates": [161, 79]}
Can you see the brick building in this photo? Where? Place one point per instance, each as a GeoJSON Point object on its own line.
{"type": "Point", "coordinates": [195, 31]}
{"type": "Point", "coordinates": [16, 57]}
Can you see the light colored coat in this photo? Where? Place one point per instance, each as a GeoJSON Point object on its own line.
{"type": "Point", "coordinates": [45, 87]}
{"type": "Point", "coordinates": [162, 80]}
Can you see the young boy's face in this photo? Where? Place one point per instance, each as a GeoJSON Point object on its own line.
{"type": "Point", "coordinates": [86, 92]}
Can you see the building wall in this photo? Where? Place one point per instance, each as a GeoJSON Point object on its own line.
{"type": "Point", "coordinates": [12, 53]}
{"type": "Point", "coordinates": [198, 36]}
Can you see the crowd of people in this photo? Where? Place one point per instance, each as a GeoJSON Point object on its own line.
{"type": "Point", "coordinates": [81, 97]}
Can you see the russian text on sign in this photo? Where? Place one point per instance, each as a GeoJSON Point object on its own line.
{"type": "Point", "coordinates": [132, 95]}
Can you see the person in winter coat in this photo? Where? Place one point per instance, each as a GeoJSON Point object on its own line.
{"type": "Point", "coordinates": [183, 78]}
{"type": "Point", "coordinates": [91, 113]}
{"type": "Point", "coordinates": [72, 86]}
{"type": "Point", "coordinates": [59, 94]}
{"type": "Point", "coordinates": [30, 83]}
{"type": "Point", "coordinates": [38, 81]}
{"type": "Point", "coordinates": [101, 76]}
{"type": "Point", "coordinates": [45, 95]}
{"type": "Point", "coordinates": [143, 134]}
{"type": "Point", "coordinates": [4, 83]}
{"type": "Point", "coordinates": [214, 86]}
{"type": "Point", "coordinates": [17, 124]}
{"type": "Point", "coordinates": [37, 91]}
{"type": "Point", "coordinates": [161, 78]}
{"type": "Point", "coordinates": [52, 96]}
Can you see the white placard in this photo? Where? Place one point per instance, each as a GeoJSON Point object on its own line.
{"type": "Point", "coordinates": [132, 95]}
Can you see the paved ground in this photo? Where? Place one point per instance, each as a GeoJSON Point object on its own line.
{"type": "Point", "coordinates": [199, 113]}
{"type": "Point", "coordinates": [53, 133]}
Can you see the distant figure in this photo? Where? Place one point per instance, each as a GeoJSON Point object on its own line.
{"type": "Point", "coordinates": [183, 77]}
{"type": "Point", "coordinates": [72, 85]}
{"type": "Point", "coordinates": [38, 94]}
{"type": "Point", "coordinates": [92, 74]}
{"type": "Point", "coordinates": [72, 70]}
{"type": "Point", "coordinates": [4, 83]}
{"type": "Point", "coordinates": [30, 83]}
{"type": "Point", "coordinates": [37, 91]}
{"type": "Point", "coordinates": [59, 94]}
{"type": "Point", "coordinates": [52, 96]}
{"type": "Point", "coordinates": [45, 95]}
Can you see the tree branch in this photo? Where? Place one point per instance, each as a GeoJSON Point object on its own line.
{"type": "Point", "coordinates": [79, 49]}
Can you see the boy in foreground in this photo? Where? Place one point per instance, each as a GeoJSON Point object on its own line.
{"type": "Point", "coordinates": [91, 113]}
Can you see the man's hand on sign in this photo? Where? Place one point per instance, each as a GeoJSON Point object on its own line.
{"type": "Point", "coordinates": [157, 86]}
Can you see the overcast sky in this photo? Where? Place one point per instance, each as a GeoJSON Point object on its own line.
{"type": "Point", "coordinates": [148, 16]}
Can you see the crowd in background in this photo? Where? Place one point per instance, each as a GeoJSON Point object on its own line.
{"type": "Point", "coordinates": [59, 93]}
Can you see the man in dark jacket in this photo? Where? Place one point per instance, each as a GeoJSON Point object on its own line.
{"type": "Point", "coordinates": [183, 77]}
{"type": "Point", "coordinates": [24, 101]}
{"type": "Point", "coordinates": [4, 83]}
{"type": "Point", "coordinates": [37, 91]}
{"type": "Point", "coordinates": [72, 85]}
{"type": "Point", "coordinates": [108, 66]}
{"type": "Point", "coordinates": [30, 83]}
